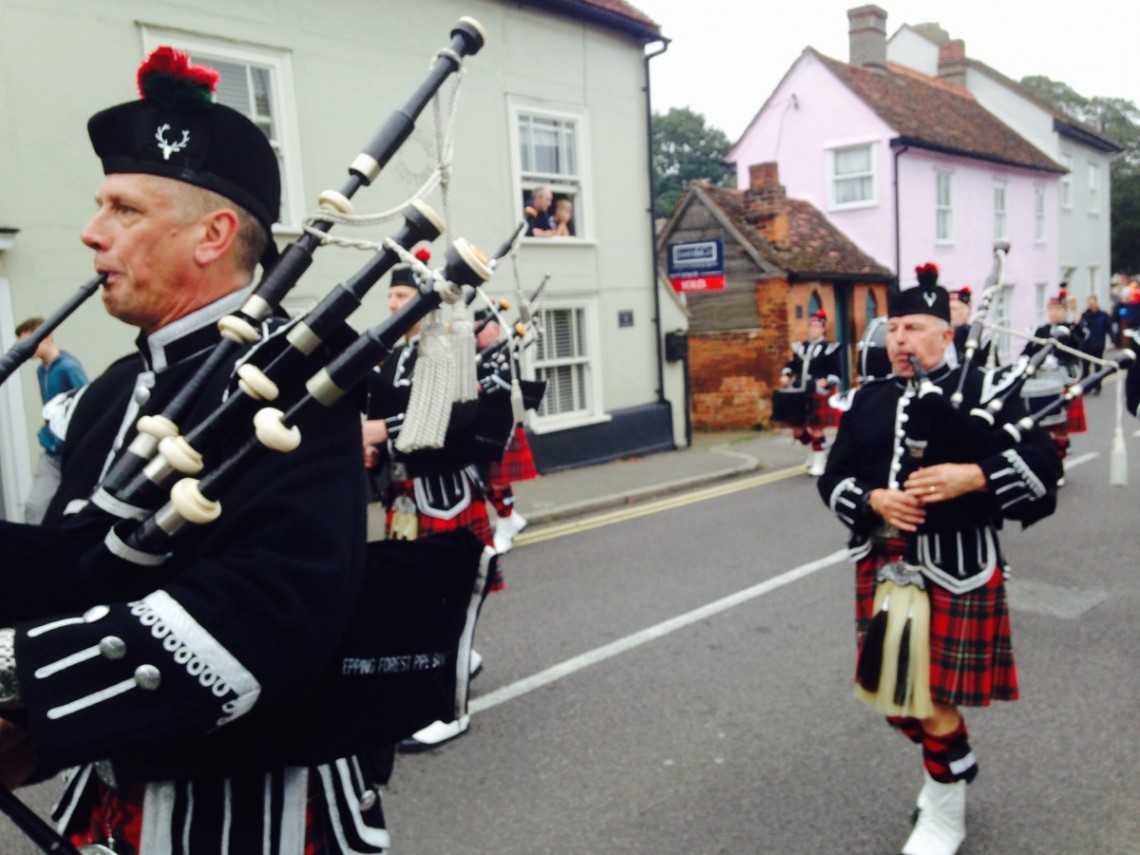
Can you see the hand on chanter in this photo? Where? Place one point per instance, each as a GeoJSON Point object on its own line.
{"type": "Point", "coordinates": [898, 508]}
{"type": "Point", "coordinates": [933, 484]}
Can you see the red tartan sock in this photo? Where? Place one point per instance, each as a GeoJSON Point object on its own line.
{"type": "Point", "coordinates": [948, 757]}
{"type": "Point", "coordinates": [502, 498]}
{"type": "Point", "coordinates": [911, 728]}
{"type": "Point", "coordinates": [818, 443]}
{"type": "Point", "coordinates": [1061, 441]}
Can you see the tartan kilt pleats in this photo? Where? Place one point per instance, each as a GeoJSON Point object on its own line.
{"type": "Point", "coordinates": [971, 652]}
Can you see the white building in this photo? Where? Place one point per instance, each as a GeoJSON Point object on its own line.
{"type": "Point", "coordinates": [558, 96]}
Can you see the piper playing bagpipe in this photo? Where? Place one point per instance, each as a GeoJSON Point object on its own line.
{"type": "Point", "coordinates": [809, 377]}
{"type": "Point", "coordinates": [215, 694]}
{"type": "Point", "coordinates": [923, 485]}
{"type": "Point", "coordinates": [1061, 369]}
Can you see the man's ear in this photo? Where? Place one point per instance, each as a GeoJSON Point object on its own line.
{"type": "Point", "coordinates": [220, 230]}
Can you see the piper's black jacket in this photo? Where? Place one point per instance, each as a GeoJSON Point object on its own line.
{"type": "Point", "coordinates": [871, 450]}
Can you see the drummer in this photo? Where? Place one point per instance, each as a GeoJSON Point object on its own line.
{"type": "Point", "coordinates": [814, 369]}
{"type": "Point", "coordinates": [1060, 369]}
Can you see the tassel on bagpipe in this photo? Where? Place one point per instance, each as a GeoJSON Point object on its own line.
{"type": "Point", "coordinates": [240, 329]}
{"type": "Point", "coordinates": [278, 363]}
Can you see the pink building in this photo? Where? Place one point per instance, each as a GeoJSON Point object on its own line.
{"type": "Point", "coordinates": [912, 169]}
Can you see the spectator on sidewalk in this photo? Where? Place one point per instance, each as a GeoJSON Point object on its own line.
{"type": "Point", "coordinates": [1097, 325]}
{"type": "Point", "coordinates": [59, 375]}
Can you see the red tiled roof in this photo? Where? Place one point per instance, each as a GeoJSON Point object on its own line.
{"type": "Point", "coordinates": [938, 115]}
{"type": "Point", "coordinates": [814, 247]}
{"type": "Point", "coordinates": [626, 10]}
{"type": "Point", "coordinates": [616, 14]}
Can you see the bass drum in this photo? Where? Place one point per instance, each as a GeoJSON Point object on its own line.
{"type": "Point", "coordinates": [873, 360]}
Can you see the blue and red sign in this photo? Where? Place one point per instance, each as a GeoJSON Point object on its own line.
{"type": "Point", "coordinates": [697, 266]}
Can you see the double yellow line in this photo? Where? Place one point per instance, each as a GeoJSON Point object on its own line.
{"type": "Point", "coordinates": [653, 506]}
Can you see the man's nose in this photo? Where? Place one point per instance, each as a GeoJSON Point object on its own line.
{"type": "Point", "coordinates": [93, 234]}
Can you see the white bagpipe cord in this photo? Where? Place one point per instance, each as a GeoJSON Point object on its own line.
{"type": "Point", "coordinates": [1118, 460]}
{"type": "Point", "coordinates": [336, 209]}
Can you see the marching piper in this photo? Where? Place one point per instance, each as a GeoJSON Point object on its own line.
{"type": "Point", "coordinates": [422, 493]}
{"type": "Point", "coordinates": [922, 489]}
{"type": "Point", "coordinates": [1061, 369]}
{"type": "Point", "coordinates": [814, 370]}
{"type": "Point", "coordinates": [497, 375]}
{"type": "Point", "coordinates": [140, 678]}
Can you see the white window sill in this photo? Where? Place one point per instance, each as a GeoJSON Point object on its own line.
{"type": "Point", "coordinates": [560, 241]}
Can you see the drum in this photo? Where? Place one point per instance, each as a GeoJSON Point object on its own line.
{"type": "Point", "coordinates": [873, 360]}
{"type": "Point", "coordinates": [790, 407]}
{"type": "Point", "coordinates": [1038, 393]}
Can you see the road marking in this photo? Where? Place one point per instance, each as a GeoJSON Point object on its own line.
{"type": "Point", "coordinates": [600, 654]}
{"type": "Point", "coordinates": [1073, 462]}
{"type": "Point", "coordinates": [735, 485]}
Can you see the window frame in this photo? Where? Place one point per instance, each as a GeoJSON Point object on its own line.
{"type": "Point", "coordinates": [872, 173]}
{"type": "Point", "coordinates": [1001, 214]}
{"type": "Point", "coordinates": [943, 212]}
{"type": "Point", "coordinates": [1040, 218]}
{"type": "Point", "coordinates": [577, 186]}
{"type": "Point", "coordinates": [1094, 189]}
{"type": "Point", "coordinates": [1003, 314]}
{"type": "Point", "coordinates": [282, 99]}
{"type": "Point", "coordinates": [1067, 183]}
{"type": "Point", "coordinates": [593, 412]}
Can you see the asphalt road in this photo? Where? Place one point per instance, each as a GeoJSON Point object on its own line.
{"type": "Point", "coordinates": [679, 683]}
{"type": "Point", "coordinates": [736, 732]}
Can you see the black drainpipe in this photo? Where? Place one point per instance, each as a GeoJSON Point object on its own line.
{"type": "Point", "coordinates": [899, 149]}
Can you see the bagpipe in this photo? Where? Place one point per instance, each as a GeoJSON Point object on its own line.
{"type": "Point", "coordinates": [25, 348]}
{"type": "Point", "coordinates": [935, 427]}
{"type": "Point", "coordinates": [403, 661]}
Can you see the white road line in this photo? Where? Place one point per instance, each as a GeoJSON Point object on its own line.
{"type": "Point", "coordinates": [600, 654]}
{"type": "Point", "coordinates": [1073, 462]}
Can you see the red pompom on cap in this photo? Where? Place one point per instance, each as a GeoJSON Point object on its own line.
{"type": "Point", "coordinates": [167, 77]}
{"type": "Point", "coordinates": [423, 254]}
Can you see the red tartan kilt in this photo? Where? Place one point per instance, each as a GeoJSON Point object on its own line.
{"type": "Point", "coordinates": [971, 652]}
{"type": "Point", "coordinates": [517, 463]}
{"type": "Point", "coordinates": [1076, 415]}
{"type": "Point", "coordinates": [820, 413]}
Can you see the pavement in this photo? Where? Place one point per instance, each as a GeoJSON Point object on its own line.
{"type": "Point", "coordinates": [712, 457]}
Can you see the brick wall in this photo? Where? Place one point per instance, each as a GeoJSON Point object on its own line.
{"type": "Point", "coordinates": [732, 373]}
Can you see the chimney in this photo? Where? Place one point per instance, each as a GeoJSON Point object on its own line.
{"type": "Point", "coordinates": [867, 33]}
{"type": "Point", "coordinates": [764, 203]}
{"type": "Point", "coordinates": [952, 62]}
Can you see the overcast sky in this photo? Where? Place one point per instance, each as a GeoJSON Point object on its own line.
{"type": "Point", "coordinates": [726, 56]}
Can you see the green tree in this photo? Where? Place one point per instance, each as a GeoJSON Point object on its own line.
{"type": "Point", "coordinates": [1119, 120]}
{"type": "Point", "coordinates": [685, 149]}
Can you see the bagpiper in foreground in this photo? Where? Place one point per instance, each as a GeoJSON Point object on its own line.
{"type": "Point", "coordinates": [923, 486]}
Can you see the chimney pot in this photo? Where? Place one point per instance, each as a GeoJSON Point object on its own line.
{"type": "Point", "coordinates": [867, 35]}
